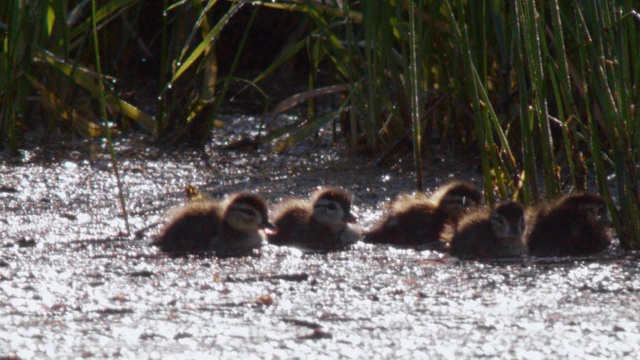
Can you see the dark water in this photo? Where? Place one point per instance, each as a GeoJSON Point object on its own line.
{"type": "Point", "coordinates": [72, 284]}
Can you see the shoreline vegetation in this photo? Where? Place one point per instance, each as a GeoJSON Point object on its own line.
{"type": "Point", "coordinates": [546, 92]}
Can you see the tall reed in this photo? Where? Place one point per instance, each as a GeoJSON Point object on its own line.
{"type": "Point", "coordinates": [575, 71]}
{"type": "Point", "coordinates": [103, 110]}
{"type": "Point", "coordinates": [552, 88]}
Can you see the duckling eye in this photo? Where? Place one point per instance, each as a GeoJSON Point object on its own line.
{"type": "Point", "coordinates": [331, 206]}
{"type": "Point", "coordinates": [454, 200]}
{"type": "Point", "coordinates": [602, 211]}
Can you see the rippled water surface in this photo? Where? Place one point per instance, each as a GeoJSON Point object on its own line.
{"type": "Point", "coordinates": [74, 284]}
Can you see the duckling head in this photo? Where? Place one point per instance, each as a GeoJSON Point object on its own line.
{"type": "Point", "coordinates": [457, 197]}
{"type": "Point", "coordinates": [332, 207]}
{"type": "Point", "coordinates": [508, 222]}
{"type": "Point", "coordinates": [247, 212]}
{"type": "Point", "coordinates": [593, 206]}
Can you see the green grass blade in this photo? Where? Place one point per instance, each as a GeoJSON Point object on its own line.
{"type": "Point", "coordinates": [87, 79]}
{"type": "Point", "coordinates": [206, 42]}
{"type": "Point", "coordinates": [414, 76]}
{"type": "Point", "coordinates": [103, 107]}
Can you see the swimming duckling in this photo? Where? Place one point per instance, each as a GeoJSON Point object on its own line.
{"type": "Point", "coordinates": [415, 220]}
{"type": "Point", "coordinates": [488, 234]}
{"type": "Point", "coordinates": [227, 227]}
{"type": "Point", "coordinates": [574, 225]}
{"type": "Point", "coordinates": [323, 223]}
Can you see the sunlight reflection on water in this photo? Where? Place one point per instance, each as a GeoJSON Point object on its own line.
{"type": "Point", "coordinates": [79, 288]}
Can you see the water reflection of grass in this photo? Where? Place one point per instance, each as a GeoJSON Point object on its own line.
{"type": "Point", "coordinates": [547, 92]}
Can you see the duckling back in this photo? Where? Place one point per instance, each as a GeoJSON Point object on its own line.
{"type": "Point", "coordinates": [490, 233]}
{"type": "Point", "coordinates": [228, 228]}
{"type": "Point", "coordinates": [575, 225]}
{"type": "Point", "coordinates": [291, 219]}
{"type": "Point", "coordinates": [192, 228]}
{"type": "Point", "coordinates": [412, 220]}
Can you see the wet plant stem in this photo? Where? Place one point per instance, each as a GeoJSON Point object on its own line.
{"type": "Point", "coordinates": [415, 106]}
{"type": "Point", "coordinates": [164, 60]}
{"type": "Point", "coordinates": [103, 108]}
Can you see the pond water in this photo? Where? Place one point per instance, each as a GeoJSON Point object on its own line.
{"type": "Point", "coordinates": [74, 284]}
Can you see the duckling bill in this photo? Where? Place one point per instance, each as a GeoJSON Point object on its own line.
{"type": "Point", "coordinates": [325, 222]}
{"type": "Point", "coordinates": [228, 227]}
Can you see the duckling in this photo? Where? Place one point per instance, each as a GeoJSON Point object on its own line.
{"type": "Point", "coordinates": [416, 220]}
{"type": "Point", "coordinates": [323, 223]}
{"type": "Point", "coordinates": [227, 227]}
{"type": "Point", "coordinates": [574, 225]}
{"type": "Point", "coordinates": [487, 234]}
